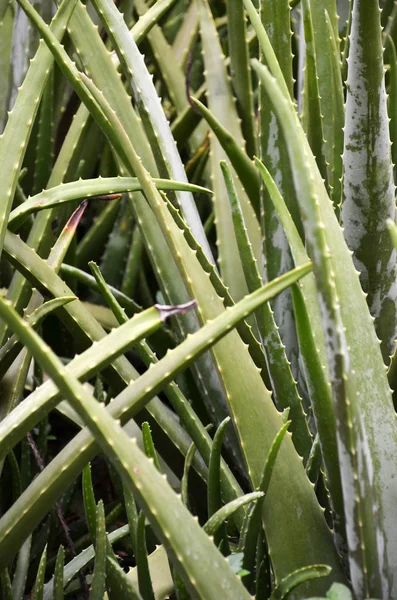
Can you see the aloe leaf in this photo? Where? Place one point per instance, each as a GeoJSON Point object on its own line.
{"type": "Point", "coordinates": [392, 63]}
{"type": "Point", "coordinates": [91, 244]}
{"type": "Point", "coordinates": [122, 586]}
{"type": "Point", "coordinates": [251, 528]}
{"type": "Point", "coordinates": [239, 159]}
{"type": "Point", "coordinates": [39, 583]}
{"type": "Point", "coordinates": [244, 329]}
{"type": "Point", "coordinates": [287, 585]}
{"type": "Point", "coordinates": [214, 498]}
{"type": "Point", "coordinates": [220, 516]}
{"type": "Point", "coordinates": [321, 398]}
{"type": "Point", "coordinates": [311, 110]}
{"type": "Point", "coordinates": [240, 71]}
{"type": "Point", "coordinates": [314, 360]}
{"type": "Point", "coordinates": [105, 187]}
{"type": "Point", "coordinates": [145, 584]}
{"type": "Point", "coordinates": [149, 104]}
{"type": "Point", "coordinates": [221, 104]}
{"type": "Point", "coordinates": [90, 507]}
{"type": "Point", "coordinates": [58, 574]}
{"type": "Point", "coordinates": [368, 174]}
{"type": "Point", "coordinates": [185, 477]}
{"type": "Point", "coordinates": [133, 265]}
{"type": "Point", "coordinates": [21, 569]}
{"type": "Point", "coordinates": [99, 575]}
{"type": "Point", "coordinates": [89, 281]}
{"type": "Point", "coordinates": [164, 55]}
{"type": "Point", "coordinates": [326, 54]}
{"type": "Point", "coordinates": [359, 417]}
{"type": "Point", "coordinates": [145, 22]}
{"type": "Point", "coordinates": [186, 35]}
{"type": "Point", "coordinates": [6, 29]}
{"type": "Point", "coordinates": [45, 137]}
{"type": "Point", "coordinates": [14, 380]}
{"type": "Point", "coordinates": [10, 350]}
{"type": "Point", "coordinates": [17, 132]}
{"type": "Point", "coordinates": [148, 443]}
{"type": "Point", "coordinates": [275, 18]}
{"type": "Point", "coordinates": [73, 567]}
{"type": "Point", "coordinates": [214, 491]}
{"type": "Point", "coordinates": [78, 459]}
{"type": "Point", "coordinates": [283, 383]}
{"type": "Point", "coordinates": [155, 494]}
{"type": "Point", "coordinates": [97, 356]}
{"type": "Point", "coordinates": [5, 585]}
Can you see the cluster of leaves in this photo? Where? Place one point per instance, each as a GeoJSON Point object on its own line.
{"type": "Point", "coordinates": [198, 324]}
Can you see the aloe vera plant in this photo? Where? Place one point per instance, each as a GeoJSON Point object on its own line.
{"type": "Point", "coordinates": [198, 310]}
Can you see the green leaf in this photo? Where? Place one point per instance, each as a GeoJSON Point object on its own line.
{"type": "Point", "coordinates": [148, 443]}
{"type": "Point", "coordinates": [141, 557]}
{"type": "Point", "coordinates": [105, 188]}
{"type": "Point", "coordinates": [20, 121]}
{"type": "Point", "coordinates": [221, 104]}
{"type": "Point", "coordinates": [99, 575]}
{"type": "Point", "coordinates": [288, 584]}
{"type": "Point", "coordinates": [90, 507]}
{"type": "Point", "coordinates": [220, 516]}
{"type": "Point", "coordinates": [58, 574]}
{"type": "Point", "coordinates": [368, 185]}
{"type": "Point", "coordinates": [39, 583]}
{"type": "Point", "coordinates": [355, 364]}
{"type": "Point", "coordinates": [166, 512]}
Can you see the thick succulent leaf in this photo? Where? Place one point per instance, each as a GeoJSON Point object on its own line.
{"type": "Point", "coordinates": [39, 583]}
{"type": "Point", "coordinates": [58, 574]}
{"type": "Point", "coordinates": [368, 187]}
{"type": "Point", "coordinates": [326, 55]}
{"type": "Point", "coordinates": [287, 585]}
{"type": "Point", "coordinates": [6, 29]}
{"type": "Point", "coordinates": [151, 109]}
{"type": "Point", "coordinates": [359, 418]}
{"type": "Point", "coordinates": [170, 518]}
{"type": "Point", "coordinates": [16, 135]}
{"type": "Point", "coordinates": [275, 19]}
{"type": "Point", "coordinates": [84, 366]}
{"type": "Point", "coordinates": [240, 71]}
{"type": "Point", "coordinates": [283, 383]}
{"type": "Point", "coordinates": [236, 154]}
{"type": "Point", "coordinates": [106, 188]}
{"type": "Point", "coordinates": [221, 104]}
{"type": "Point", "coordinates": [141, 557]}
{"type": "Point", "coordinates": [220, 516]}
{"type": "Point", "coordinates": [311, 343]}
{"type": "Point", "coordinates": [149, 19]}
{"type": "Point", "coordinates": [10, 350]}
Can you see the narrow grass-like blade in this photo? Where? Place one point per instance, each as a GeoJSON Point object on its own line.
{"type": "Point", "coordinates": [39, 583]}
{"type": "Point", "coordinates": [99, 575]}
{"type": "Point", "coordinates": [287, 585]}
